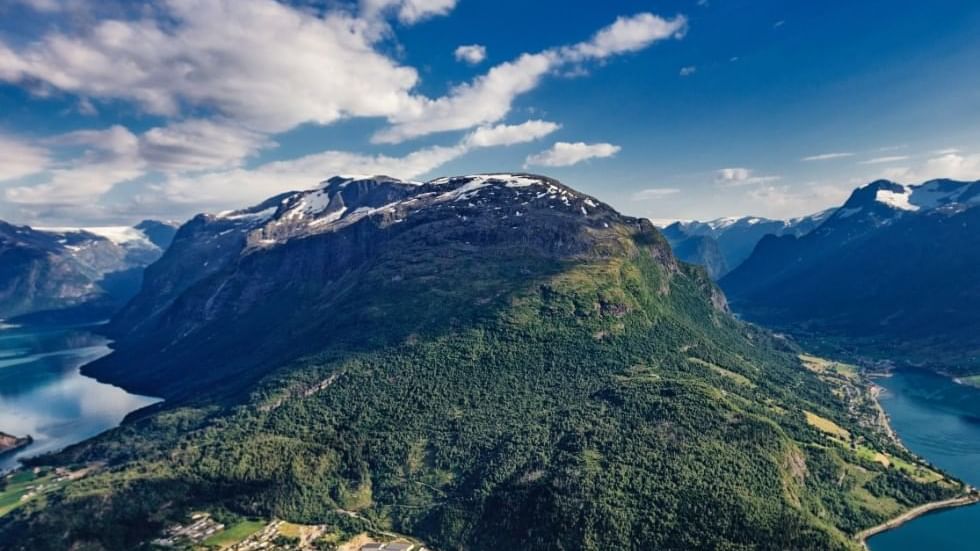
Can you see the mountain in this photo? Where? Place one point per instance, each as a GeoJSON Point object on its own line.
{"type": "Point", "coordinates": [702, 250]}
{"type": "Point", "coordinates": [892, 271]}
{"type": "Point", "coordinates": [734, 238]}
{"type": "Point", "coordinates": [481, 362]}
{"type": "Point", "coordinates": [68, 272]}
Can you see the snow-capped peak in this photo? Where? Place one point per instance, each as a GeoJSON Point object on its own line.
{"type": "Point", "coordinates": [123, 236]}
{"type": "Point", "coordinates": [344, 200]}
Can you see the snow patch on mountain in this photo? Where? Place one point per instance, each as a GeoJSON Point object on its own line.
{"type": "Point", "coordinates": [897, 200]}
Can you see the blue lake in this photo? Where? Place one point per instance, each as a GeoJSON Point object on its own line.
{"type": "Point", "coordinates": [43, 394]}
{"type": "Point", "coordinates": [939, 420]}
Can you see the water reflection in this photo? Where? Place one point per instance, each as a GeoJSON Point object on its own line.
{"type": "Point", "coordinates": [43, 394]}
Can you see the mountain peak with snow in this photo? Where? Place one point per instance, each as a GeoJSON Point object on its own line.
{"type": "Point", "coordinates": [883, 200]}
{"type": "Point", "coordinates": [341, 201]}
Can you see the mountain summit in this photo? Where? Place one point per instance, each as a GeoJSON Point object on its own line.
{"type": "Point", "coordinates": [483, 362]}
{"type": "Point", "coordinates": [860, 274]}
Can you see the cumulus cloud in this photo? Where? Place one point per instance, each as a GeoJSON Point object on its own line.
{"type": "Point", "coordinates": [409, 11]}
{"type": "Point", "coordinates": [19, 159]}
{"type": "Point", "coordinates": [739, 176]}
{"type": "Point", "coordinates": [489, 97]}
{"type": "Point", "coordinates": [827, 156]}
{"type": "Point", "coordinates": [115, 155]}
{"type": "Point", "coordinates": [472, 54]}
{"type": "Point", "coordinates": [568, 154]}
{"type": "Point", "coordinates": [266, 65]}
{"type": "Point", "coordinates": [108, 157]}
{"type": "Point", "coordinates": [233, 188]}
{"type": "Point", "coordinates": [199, 145]}
{"type": "Point", "coordinates": [688, 71]}
{"type": "Point", "coordinates": [223, 189]}
{"type": "Point", "coordinates": [509, 134]}
{"type": "Point", "coordinates": [271, 67]}
{"type": "Point", "coordinates": [228, 75]}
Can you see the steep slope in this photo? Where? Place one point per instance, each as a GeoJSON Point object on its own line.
{"type": "Point", "coordinates": [863, 274]}
{"type": "Point", "coordinates": [701, 250]}
{"type": "Point", "coordinates": [68, 271]}
{"type": "Point", "coordinates": [735, 238]}
{"type": "Point", "coordinates": [485, 362]}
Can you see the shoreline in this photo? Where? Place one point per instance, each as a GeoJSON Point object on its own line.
{"type": "Point", "coordinates": [970, 498]}
{"type": "Point", "coordinates": [962, 501]}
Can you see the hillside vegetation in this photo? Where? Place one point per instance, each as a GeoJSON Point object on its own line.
{"type": "Point", "coordinates": [497, 397]}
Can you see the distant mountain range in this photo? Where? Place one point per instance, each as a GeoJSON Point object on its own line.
{"type": "Point", "coordinates": [894, 270]}
{"type": "Point", "coordinates": [75, 273]}
{"type": "Point", "coordinates": [721, 245]}
{"type": "Point", "coordinates": [485, 362]}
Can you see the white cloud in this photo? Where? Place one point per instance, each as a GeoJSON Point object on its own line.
{"type": "Point", "coordinates": [19, 159]}
{"type": "Point", "coordinates": [201, 162]}
{"type": "Point", "coordinates": [738, 176]}
{"type": "Point", "coordinates": [654, 193]}
{"type": "Point", "coordinates": [271, 67]}
{"type": "Point", "coordinates": [883, 160]}
{"type": "Point", "coordinates": [198, 145]}
{"type": "Point", "coordinates": [409, 11]}
{"type": "Point", "coordinates": [627, 34]}
{"type": "Point", "coordinates": [266, 65]}
{"type": "Point", "coordinates": [489, 97]}
{"type": "Point", "coordinates": [233, 188]}
{"type": "Point", "coordinates": [827, 156]}
{"type": "Point", "coordinates": [955, 166]}
{"type": "Point", "coordinates": [237, 187]}
{"type": "Point", "coordinates": [110, 157]}
{"type": "Point", "coordinates": [229, 74]}
{"type": "Point", "coordinates": [688, 71]}
{"type": "Point", "coordinates": [472, 53]}
{"type": "Point", "coordinates": [504, 134]}
{"type": "Point", "coordinates": [567, 154]}
{"type": "Point", "coordinates": [116, 155]}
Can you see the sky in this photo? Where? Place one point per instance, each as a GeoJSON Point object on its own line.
{"type": "Point", "coordinates": [113, 111]}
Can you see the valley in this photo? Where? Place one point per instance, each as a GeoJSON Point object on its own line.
{"type": "Point", "coordinates": [464, 275]}
{"type": "Point", "coordinates": [42, 393]}
{"type": "Point", "coordinates": [544, 395]}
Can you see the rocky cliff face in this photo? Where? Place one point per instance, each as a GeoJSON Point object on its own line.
{"type": "Point", "coordinates": [81, 271]}
{"type": "Point", "coordinates": [288, 265]}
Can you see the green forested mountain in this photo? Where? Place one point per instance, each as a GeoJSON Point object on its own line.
{"type": "Point", "coordinates": [485, 362]}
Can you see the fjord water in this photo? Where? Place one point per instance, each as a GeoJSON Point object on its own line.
{"type": "Point", "coordinates": [939, 420]}
{"type": "Point", "coordinates": [43, 394]}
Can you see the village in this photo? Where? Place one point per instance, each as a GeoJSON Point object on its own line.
{"type": "Point", "coordinates": [205, 533]}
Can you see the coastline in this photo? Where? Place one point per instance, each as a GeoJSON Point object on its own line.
{"type": "Point", "coordinates": [914, 513]}
{"type": "Point", "coordinates": [971, 497]}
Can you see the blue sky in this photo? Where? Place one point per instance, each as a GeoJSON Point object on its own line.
{"type": "Point", "coordinates": [114, 111]}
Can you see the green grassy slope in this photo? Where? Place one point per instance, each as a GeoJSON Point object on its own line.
{"type": "Point", "coordinates": [562, 410]}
